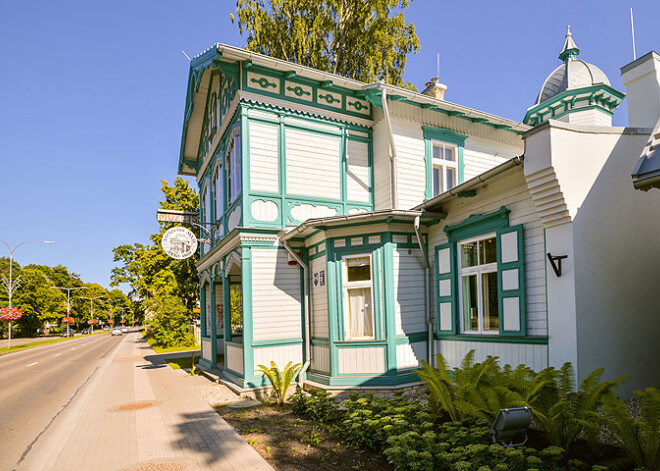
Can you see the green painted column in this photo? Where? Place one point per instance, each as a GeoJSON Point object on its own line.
{"type": "Point", "coordinates": [246, 284]}
{"type": "Point", "coordinates": [390, 308]}
{"type": "Point", "coordinates": [213, 314]}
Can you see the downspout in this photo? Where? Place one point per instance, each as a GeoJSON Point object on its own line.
{"type": "Point", "coordinates": [427, 289]}
{"type": "Point", "coordinates": [386, 112]}
{"type": "Point", "coordinates": [306, 307]}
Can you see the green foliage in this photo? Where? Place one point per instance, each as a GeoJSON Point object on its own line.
{"type": "Point", "coordinates": [280, 381]}
{"type": "Point", "coordinates": [361, 40]}
{"type": "Point", "coordinates": [170, 322]}
{"type": "Point", "coordinates": [638, 436]}
{"type": "Point", "coordinates": [565, 413]}
{"type": "Point", "coordinates": [318, 405]}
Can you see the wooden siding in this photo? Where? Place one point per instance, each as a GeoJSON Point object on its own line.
{"type": "Point", "coordinates": [409, 355]}
{"type": "Point", "coordinates": [264, 157]}
{"type": "Point", "coordinates": [409, 283]}
{"type": "Point", "coordinates": [320, 359]}
{"type": "Point", "coordinates": [357, 177]}
{"type": "Point", "coordinates": [206, 349]}
{"type": "Point", "coordinates": [382, 172]}
{"type": "Point", "coordinates": [362, 360]}
{"type": "Point", "coordinates": [312, 164]}
{"type": "Point", "coordinates": [511, 191]}
{"type": "Point", "coordinates": [280, 354]}
{"type": "Point", "coordinates": [532, 355]}
{"type": "Point", "coordinates": [411, 163]}
{"type": "Point", "coordinates": [477, 160]}
{"type": "Point", "coordinates": [275, 296]}
{"type": "Point", "coordinates": [234, 360]}
{"type": "Point", "coordinates": [319, 301]}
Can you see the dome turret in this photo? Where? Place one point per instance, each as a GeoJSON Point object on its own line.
{"type": "Point", "coordinates": [574, 86]}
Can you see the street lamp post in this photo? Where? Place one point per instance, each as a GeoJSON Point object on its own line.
{"type": "Point", "coordinates": [91, 307]}
{"type": "Point", "coordinates": [11, 285]}
{"type": "Point", "coordinates": [68, 302]}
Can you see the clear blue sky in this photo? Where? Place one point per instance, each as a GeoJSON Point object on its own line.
{"type": "Point", "coordinates": [92, 96]}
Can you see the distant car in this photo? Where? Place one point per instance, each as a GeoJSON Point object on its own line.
{"type": "Point", "coordinates": [124, 329]}
{"type": "Point", "coordinates": [86, 331]}
{"type": "Point", "coordinates": [116, 331]}
{"type": "Point", "coordinates": [69, 333]}
{"type": "Point", "coordinates": [106, 327]}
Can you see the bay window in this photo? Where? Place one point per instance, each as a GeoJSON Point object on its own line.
{"type": "Point", "coordinates": [234, 171]}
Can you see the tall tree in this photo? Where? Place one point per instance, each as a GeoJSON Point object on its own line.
{"type": "Point", "coordinates": [148, 270]}
{"type": "Point", "coordinates": [364, 40]}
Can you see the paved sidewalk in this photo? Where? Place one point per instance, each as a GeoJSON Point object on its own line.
{"type": "Point", "coordinates": [138, 414]}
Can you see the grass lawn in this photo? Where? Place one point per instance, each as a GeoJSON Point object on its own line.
{"type": "Point", "coordinates": [182, 363]}
{"type": "Point", "coordinates": [158, 349]}
{"type": "Point", "coordinates": [41, 342]}
{"type": "Point", "coordinates": [290, 443]}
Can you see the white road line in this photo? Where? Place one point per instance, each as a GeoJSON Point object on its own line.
{"type": "Point", "coordinates": [57, 354]}
{"type": "Point", "coordinates": [32, 364]}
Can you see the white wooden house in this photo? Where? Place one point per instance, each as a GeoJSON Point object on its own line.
{"type": "Point", "coordinates": [360, 228]}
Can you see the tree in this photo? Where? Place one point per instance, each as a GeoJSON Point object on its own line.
{"type": "Point", "coordinates": [362, 40]}
{"type": "Point", "coordinates": [38, 301]}
{"type": "Point", "coordinates": [165, 290]}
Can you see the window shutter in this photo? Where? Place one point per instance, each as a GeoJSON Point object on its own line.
{"type": "Point", "coordinates": [511, 280]}
{"type": "Point", "coordinates": [445, 256]}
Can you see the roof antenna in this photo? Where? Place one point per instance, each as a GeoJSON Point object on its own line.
{"type": "Point", "coordinates": [184, 53]}
{"type": "Point", "coordinates": [632, 27]}
{"type": "Point", "coordinates": [438, 67]}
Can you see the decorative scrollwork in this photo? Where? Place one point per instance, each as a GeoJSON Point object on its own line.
{"type": "Point", "coordinates": [298, 91]}
{"type": "Point", "coordinates": [329, 99]}
{"type": "Point", "coordinates": [357, 105]}
{"type": "Point", "coordinates": [263, 83]}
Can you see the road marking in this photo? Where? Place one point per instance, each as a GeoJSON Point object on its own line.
{"type": "Point", "coordinates": [57, 354]}
{"type": "Point", "coordinates": [32, 364]}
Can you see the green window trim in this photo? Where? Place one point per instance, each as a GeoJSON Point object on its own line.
{"type": "Point", "coordinates": [510, 270]}
{"type": "Point", "coordinates": [446, 136]}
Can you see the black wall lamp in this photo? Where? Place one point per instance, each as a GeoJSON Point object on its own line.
{"type": "Point", "coordinates": [555, 261]}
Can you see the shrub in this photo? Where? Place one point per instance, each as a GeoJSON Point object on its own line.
{"type": "Point", "coordinates": [280, 381]}
{"type": "Point", "coordinates": [639, 437]}
{"type": "Point", "coordinates": [318, 406]}
{"type": "Point", "coordinates": [170, 322]}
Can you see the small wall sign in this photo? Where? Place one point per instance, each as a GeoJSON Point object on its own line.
{"type": "Point", "coordinates": [179, 243]}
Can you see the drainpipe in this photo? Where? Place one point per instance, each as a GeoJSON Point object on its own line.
{"type": "Point", "coordinates": [306, 307]}
{"type": "Point", "coordinates": [427, 289]}
{"type": "Point", "coordinates": [386, 112]}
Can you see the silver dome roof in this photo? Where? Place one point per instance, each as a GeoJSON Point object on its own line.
{"type": "Point", "coordinates": [573, 73]}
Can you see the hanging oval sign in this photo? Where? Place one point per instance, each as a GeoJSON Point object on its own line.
{"type": "Point", "coordinates": [179, 243]}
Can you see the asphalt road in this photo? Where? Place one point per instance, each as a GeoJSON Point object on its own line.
{"type": "Point", "coordinates": [37, 384]}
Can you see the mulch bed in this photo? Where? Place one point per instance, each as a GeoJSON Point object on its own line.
{"type": "Point", "coordinates": [290, 443]}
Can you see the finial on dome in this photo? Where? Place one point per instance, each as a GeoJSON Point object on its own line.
{"type": "Point", "coordinates": [570, 50]}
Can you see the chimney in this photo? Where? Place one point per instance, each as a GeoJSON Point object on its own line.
{"type": "Point", "coordinates": [642, 81]}
{"type": "Point", "coordinates": [435, 89]}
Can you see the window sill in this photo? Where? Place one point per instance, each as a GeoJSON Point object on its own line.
{"type": "Point", "coordinates": [492, 338]}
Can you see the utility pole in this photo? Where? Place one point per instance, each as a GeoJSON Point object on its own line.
{"type": "Point", "coordinates": [68, 302]}
{"type": "Point", "coordinates": [91, 307]}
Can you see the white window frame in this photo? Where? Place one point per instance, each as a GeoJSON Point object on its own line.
{"type": "Point", "coordinates": [478, 270]}
{"type": "Point", "coordinates": [443, 164]}
{"type": "Point", "coordinates": [346, 285]}
{"type": "Point", "coordinates": [219, 198]}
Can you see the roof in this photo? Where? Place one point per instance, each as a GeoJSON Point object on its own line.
{"type": "Point", "coordinates": [573, 73]}
{"type": "Point", "coordinates": [647, 171]}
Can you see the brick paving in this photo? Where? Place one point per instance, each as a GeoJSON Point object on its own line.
{"type": "Point", "coordinates": [137, 414]}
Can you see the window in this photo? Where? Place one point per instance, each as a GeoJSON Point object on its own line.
{"type": "Point", "coordinates": [234, 172]}
{"type": "Point", "coordinates": [445, 167]}
{"type": "Point", "coordinates": [444, 160]}
{"type": "Point", "coordinates": [358, 297]}
{"type": "Point", "coordinates": [236, 308]}
{"type": "Point", "coordinates": [481, 277]}
{"type": "Point", "coordinates": [479, 306]}
{"type": "Point", "coordinates": [219, 193]}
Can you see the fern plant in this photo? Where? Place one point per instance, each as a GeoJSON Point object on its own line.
{"type": "Point", "coordinates": [639, 437]}
{"type": "Point", "coordinates": [280, 381]}
{"type": "Point", "coordinates": [565, 413]}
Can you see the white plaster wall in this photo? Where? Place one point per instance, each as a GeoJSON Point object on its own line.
{"type": "Point", "coordinates": [642, 84]}
{"type": "Point", "coordinates": [276, 296]}
{"type": "Point", "coordinates": [532, 355]}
